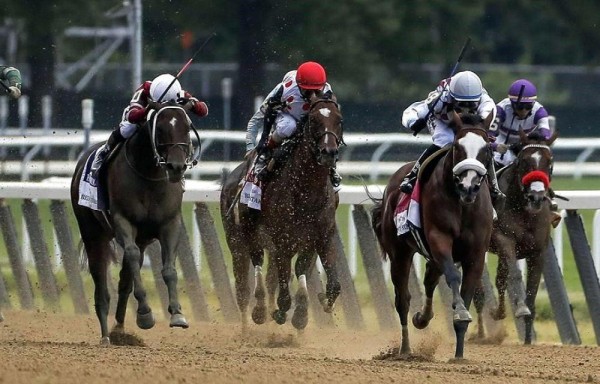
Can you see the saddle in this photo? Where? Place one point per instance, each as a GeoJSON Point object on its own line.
{"type": "Point", "coordinates": [429, 164]}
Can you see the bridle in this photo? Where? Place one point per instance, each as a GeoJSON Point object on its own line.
{"type": "Point", "coordinates": [191, 159]}
{"type": "Point", "coordinates": [520, 159]}
{"type": "Point", "coordinates": [316, 138]}
{"type": "Point", "coordinates": [160, 161]}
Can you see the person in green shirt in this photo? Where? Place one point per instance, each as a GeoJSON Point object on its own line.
{"type": "Point", "coordinates": [13, 77]}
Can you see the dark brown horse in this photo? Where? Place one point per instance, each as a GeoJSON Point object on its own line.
{"type": "Point", "coordinates": [522, 230]}
{"type": "Point", "coordinates": [145, 189]}
{"type": "Point", "coordinates": [456, 217]}
{"type": "Point", "coordinates": [297, 216]}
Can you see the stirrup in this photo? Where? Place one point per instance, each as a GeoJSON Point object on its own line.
{"type": "Point", "coordinates": [335, 177]}
{"type": "Point", "coordinates": [407, 184]}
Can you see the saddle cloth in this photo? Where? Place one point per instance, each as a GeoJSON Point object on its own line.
{"type": "Point", "coordinates": [408, 210]}
{"type": "Point", "coordinates": [251, 190]}
{"type": "Point", "coordinates": [92, 193]}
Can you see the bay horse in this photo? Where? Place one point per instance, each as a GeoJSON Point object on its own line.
{"type": "Point", "coordinates": [144, 180]}
{"type": "Point", "coordinates": [522, 230]}
{"type": "Point", "coordinates": [297, 216]}
{"type": "Point", "coordinates": [456, 217]}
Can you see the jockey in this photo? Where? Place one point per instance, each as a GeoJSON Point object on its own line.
{"type": "Point", "coordinates": [513, 114]}
{"type": "Point", "coordinates": [13, 76]}
{"type": "Point", "coordinates": [284, 107]}
{"type": "Point", "coordinates": [135, 112]}
{"type": "Point", "coordinates": [520, 110]}
{"type": "Point", "coordinates": [462, 93]}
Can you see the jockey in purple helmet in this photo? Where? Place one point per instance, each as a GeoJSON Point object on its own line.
{"type": "Point", "coordinates": [520, 110]}
{"type": "Point", "coordinates": [517, 111]}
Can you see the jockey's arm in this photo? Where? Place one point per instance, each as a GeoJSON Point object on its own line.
{"type": "Point", "coordinates": [13, 76]}
{"type": "Point", "coordinates": [256, 122]}
{"type": "Point", "coordinates": [199, 108]}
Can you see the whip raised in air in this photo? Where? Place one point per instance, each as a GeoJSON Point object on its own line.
{"type": "Point", "coordinates": [186, 65]}
{"type": "Point", "coordinates": [454, 68]}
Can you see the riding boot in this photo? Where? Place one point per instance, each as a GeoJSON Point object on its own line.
{"type": "Point", "coordinates": [498, 197]}
{"type": "Point", "coordinates": [335, 177]}
{"type": "Point", "coordinates": [102, 152]}
{"type": "Point", "coordinates": [408, 183]}
{"type": "Point", "coordinates": [555, 216]}
{"type": "Point", "coordinates": [261, 166]}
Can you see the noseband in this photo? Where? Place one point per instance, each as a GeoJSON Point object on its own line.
{"type": "Point", "coordinates": [471, 163]}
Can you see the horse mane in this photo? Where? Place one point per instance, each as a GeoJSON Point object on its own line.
{"type": "Point", "coordinates": [471, 119]}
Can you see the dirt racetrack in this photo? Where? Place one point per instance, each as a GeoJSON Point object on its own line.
{"type": "Point", "coordinates": [43, 347]}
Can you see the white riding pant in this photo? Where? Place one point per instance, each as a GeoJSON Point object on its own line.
{"type": "Point", "coordinates": [285, 126]}
{"type": "Point", "coordinates": [441, 134]}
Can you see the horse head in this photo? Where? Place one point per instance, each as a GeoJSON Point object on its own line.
{"type": "Point", "coordinates": [470, 155]}
{"type": "Point", "coordinates": [169, 128]}
{"type": "Point", "coordinates": [324, 127]}
{"type": "Point", "coordinates": [534, 167]}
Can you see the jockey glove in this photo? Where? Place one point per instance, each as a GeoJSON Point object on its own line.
{"type": "Point", "coordinates": [418, 125]}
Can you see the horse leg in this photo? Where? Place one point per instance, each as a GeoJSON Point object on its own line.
{"type": "Point", "coordinates": [303, 264]}
{"type": "Point", "coordinates": [125, 288]}
{"type": "Point", "coordinates": [271, 284]}
{"type": "Point", "coordinates": [327, 256]}
{"type": "Point", "coordinates": [284, 299]}
{"type": "Point", "coordinates": [516, 289]}
{"type": "Point", "coordinates": [471, 281]}
{"type": "Point", "coordinates": [501, 283]}
{"type": "Point", "coordinates": [259, 312]}
{"type": "Point", "coordinates": [400, 265]}
{"type": "Point", "coordinates": [125, 235]}
{"type": "Point", "coordinates": [479, 301]}
{"type": "Point", "coordinates": [534, 275]}
{"type": "Point", "coordinates": [169, 239]}
{"type": "Point", "coordinates": [98, 260]}
{"type": "Point", "coordinates": [422, 318]}
{"type": "Point", "coordinates": [241, 266]}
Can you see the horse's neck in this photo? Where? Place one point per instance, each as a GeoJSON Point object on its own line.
{"type": "Point", "coordinates": [139, 154]}
{"type": "Point", "coordinates": [302, 169]}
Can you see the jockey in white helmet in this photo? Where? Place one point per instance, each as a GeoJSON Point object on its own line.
{"type": "Point", "coordinates": [164, 88]}
{"type": "Point", "coordinates": [462, 93]}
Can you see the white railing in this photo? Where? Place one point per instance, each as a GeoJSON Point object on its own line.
{"type": "Point", "coordinates": [75, 139]}
{"type": "Point", "coordinates": [58, 189]}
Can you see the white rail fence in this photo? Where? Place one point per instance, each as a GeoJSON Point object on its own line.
{"type": "Point", "coordinates": [205, 191]}
{"type": "Point", "coordinates": [33, 144]}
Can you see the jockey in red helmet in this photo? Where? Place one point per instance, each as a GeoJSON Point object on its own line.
{"type": "Point", "coordinates": [286, 105]}
{"type": "Point", "coordinates": [165, 86]}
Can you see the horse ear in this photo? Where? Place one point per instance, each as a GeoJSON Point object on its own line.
{"type": "Point", "coordinates": [552, 138]}
{"type": "Point", "coordinates": [457, 121]}
{"type": "Point", "coordinates": [488, 121]}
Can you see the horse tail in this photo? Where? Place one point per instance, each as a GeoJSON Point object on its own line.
{"type": "Point", "coordinates": [376, 218]}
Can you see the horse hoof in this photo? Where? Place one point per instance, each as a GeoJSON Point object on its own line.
{"type": "Point", "coordinates": [522, 311]}
{"type": "Point", "coordinates": [300, 318]}
{"type": "Point", "coordinates": [178, 320]}
{"type": "Point", "coordinates": [279, 316]}
{"type": "Point", "coordinates": [105, 341]}
{"type": "Point", "coordinates": [462, 315]}
{"type": "Point", "coordinates": [419, 321]}
{"type": "Point", "coordinates": [145, 320]}
{"type": "Point", "coordinates": [325, 303]}
{"type": "Point", "coordinates": [497, 315]}
{"type": "Point", "coordinates": [259, 314]}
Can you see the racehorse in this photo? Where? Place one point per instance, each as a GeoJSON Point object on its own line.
{"type": "Point", "coordinates": [297, 216]}
{"type": "Point", "coordinates": [456, 217]}
{"type": "Point", "coordinates": [144, 180]}
{"type": "Point", "coordinates": [522, 230]}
